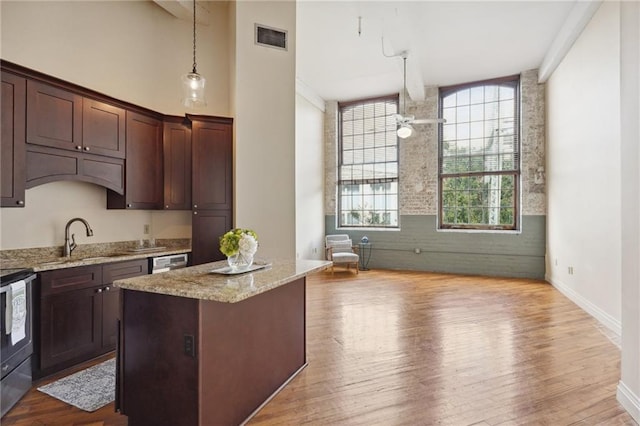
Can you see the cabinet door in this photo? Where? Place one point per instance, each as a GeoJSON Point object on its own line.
{"type": "Point", "coordinates": [54, 117]}
{"type": "Point", "coordinates": [103, 128]}
{"type": "Point", "coordinates": [70, 279]}
{"type": "Point", "coordinates": [12, 155]}
{"type": "Point", "coordinates": [111, 296]}
{"type": "Point", "coordinates": [110, 315]}
{"type": "Point", "coordinates": [207, 228]}
{"type": "Point", "coordinates": [212, 165]}
{"type": "Point", "coordinates": [144, 178]}
{"type": "Point", "coordinates": [177, 165]}
{"type": "Point", "coordinates": [70, 326]}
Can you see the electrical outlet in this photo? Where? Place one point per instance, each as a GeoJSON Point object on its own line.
{"type": "Point", "coordinates": [570, 270]}
{"type": "Point", "coordinates": [146, 229]}
{"type": "Point", "coordinates": [189, 346]}
{"type": "Point", "coordinates": [556, 261]}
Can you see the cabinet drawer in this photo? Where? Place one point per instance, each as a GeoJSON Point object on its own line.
{"type": "Point", "coordinates": [62, 280]}
{"type": "Point", "coordinates": [128, 269]}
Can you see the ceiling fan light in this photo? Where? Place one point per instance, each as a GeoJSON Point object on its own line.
{"type": "Point", "coordinates": [404, 131]}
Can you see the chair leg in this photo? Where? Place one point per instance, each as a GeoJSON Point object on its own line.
{"type": "Point", "coordinates": [357, 268]}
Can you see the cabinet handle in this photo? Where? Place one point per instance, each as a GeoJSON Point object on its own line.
{"type": "Point", "coordinates": [195, 212]}
{"type": "Point", "coordinates": [99, 290]}
{"type": "Point", "coordinates": [21, 203]}
{"type": "Point", "coordinates": [107, 288]}
{"type": "Point", "coordinates": [129, 205]}
{"type": "Point", "coordinates": [86, 148]}
{"type": "Point", "coordinates": [78, 147]}
{"type": "Point", "coordinates": [166, 207]}
{"type": "Point", "coordinates": [195, 206]}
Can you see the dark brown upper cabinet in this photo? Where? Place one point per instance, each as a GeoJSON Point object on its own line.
{"type": "Point", "coordinates": [12, 155]}
{"type": "Point", "coordinates": [177, 163]}
{"type": "Point", "coordinates": [60, 118]}
{"type": "Point", "coordinates": [212, 141]}
{"type": "Point", "coordinates": [143, 177]}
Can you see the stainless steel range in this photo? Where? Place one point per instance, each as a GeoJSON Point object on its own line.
{"type": "Point", "coordinates": [16, 303]}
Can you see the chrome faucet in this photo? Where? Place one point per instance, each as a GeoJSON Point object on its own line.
{"type": "Point", "coordinates": [70, 246]}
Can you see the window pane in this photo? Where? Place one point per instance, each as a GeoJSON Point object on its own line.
{"type": "Point", "coordinates": [476, 112]}
{"type": "Point", "coordinates": [463, 97]}
{"type": "Point", "coordinates": [462, 114]}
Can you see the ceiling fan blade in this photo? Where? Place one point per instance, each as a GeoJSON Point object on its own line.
{"type": "Point", "coordinates": [429, 120]}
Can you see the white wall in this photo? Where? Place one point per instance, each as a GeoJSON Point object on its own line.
{"type": "Point", "coordinates": [134, 51]}
{"type": "Point", "coordinates": [263, 96]}
{"type": "Point", "coordinates": [629, 386]}
{"type": "Point", "coordinates": [583, 170]}
{"type": "Point", "coordinates": [48, 208]}
{"type": "Point", "coordinates": [309, 180]}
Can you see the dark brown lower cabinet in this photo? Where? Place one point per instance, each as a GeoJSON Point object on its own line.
{"type": "Point", "coordinates": [78, 313]}
{"type": "Point", "coordinates": [190, 362]}
{"type": "Point", "coordinates": [207, 227]}
{"type": "Point", "coordinates": [71, 326]}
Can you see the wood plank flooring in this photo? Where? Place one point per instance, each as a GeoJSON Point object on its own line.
{"type": "Point", "coordinates": [396, 348]}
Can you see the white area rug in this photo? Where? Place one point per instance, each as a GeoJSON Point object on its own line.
{"type": "Point", "coordinates": [89, 389]}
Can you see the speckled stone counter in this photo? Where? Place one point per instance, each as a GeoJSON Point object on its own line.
{"type": "Point", "coordinates": [50, 258]}
{"type": "Point", "coordinates": [198, 282]}
{"type": "Point", "coordinates": [199, 348]}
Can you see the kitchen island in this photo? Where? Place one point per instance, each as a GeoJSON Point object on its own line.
{"type": "Point", "coordinates": [204, 348]}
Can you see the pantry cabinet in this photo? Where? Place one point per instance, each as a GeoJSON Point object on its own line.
{"type": "Point", "coordinates": [212, 181]}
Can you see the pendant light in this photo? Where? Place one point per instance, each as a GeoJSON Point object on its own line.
{"type": "Point", "coordinates": [193, 83]}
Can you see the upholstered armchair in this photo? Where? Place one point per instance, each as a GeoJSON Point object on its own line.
{"type": "Point", "coordinates": [341, 251]}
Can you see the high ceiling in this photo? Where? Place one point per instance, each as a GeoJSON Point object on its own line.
{"type": "Point", "coordinates": [448, 42]}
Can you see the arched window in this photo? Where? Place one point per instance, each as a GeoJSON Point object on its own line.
{"type": "Point", "coordinates": [479, 155]}
{"type": "Point", "coordinates": [368, 163]}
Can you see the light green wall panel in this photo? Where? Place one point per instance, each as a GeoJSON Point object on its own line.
{"type": "Point", "coordinates": [484, 253]}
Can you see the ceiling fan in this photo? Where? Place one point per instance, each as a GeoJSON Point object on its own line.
{"type": "Point", "coordinates": [404, 121]}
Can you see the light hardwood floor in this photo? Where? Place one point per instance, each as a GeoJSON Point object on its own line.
{"type": "Point", "coordinates": [392, 348]}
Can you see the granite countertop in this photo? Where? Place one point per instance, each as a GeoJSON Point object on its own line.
{"type": "Point", "coordinates": [47, 259]}
{"type": "Point", "coordinates": [97, 260]}
{"type": "Point", "coordinates": [198, 282]}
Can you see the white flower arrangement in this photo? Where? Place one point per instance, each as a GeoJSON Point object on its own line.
{"type": "Point", "coordinates": [238, 240]}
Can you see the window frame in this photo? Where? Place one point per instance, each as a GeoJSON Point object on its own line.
{"type": "Point", "coordinates": [339, 183]}
{"type": "Point", "coordinates": [512, 81]}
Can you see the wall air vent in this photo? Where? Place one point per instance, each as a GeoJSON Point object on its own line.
{"type": "Point", "coordinates": [271, 37]}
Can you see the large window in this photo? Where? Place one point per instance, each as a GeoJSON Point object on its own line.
{"type": "Point", "coordinates": [368, 163]}
{"type": "Point", "coordinates": [479, 155]}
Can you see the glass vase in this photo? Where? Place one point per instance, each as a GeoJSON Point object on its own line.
{"type": "Point", "coordinates": [239, 262]}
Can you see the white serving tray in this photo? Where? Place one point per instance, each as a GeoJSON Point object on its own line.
{"type": "Point", "coordinates": [226, 270]}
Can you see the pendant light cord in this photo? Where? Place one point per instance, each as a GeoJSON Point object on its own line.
{"type": "Point", "coordinates": [194, 37]}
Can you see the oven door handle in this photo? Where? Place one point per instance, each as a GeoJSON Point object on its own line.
{"type": "Point", "coordinates": [27, 281]}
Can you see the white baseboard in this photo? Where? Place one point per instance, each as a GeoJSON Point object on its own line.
{"type": "Point", "coordinates": [604, 318]}
{"type": "Point", "coordinates": [629, 400]}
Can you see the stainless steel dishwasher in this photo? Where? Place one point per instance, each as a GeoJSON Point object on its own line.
{"type": "Point", "coordinates": [167, 263]}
